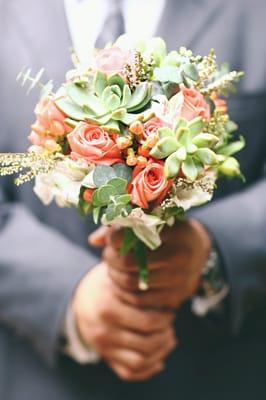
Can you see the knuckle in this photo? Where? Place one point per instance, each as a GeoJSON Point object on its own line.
{"type": "Point", "coordinates": [100, 336]}
{"type": "Point", "coordinates": [137, 362]}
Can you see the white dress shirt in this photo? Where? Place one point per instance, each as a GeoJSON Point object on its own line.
{"type": "Point", "coordinates": [85, 20]}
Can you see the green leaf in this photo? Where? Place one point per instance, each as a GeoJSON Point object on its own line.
{"type": "Point", "coordinates": [231, 126]}
{"type": "Point", "coordinates": [128, 118]}
{"type": "Point", "coordinates": [112, 126]}
{"type": "Point", "coordinates": [102, 174]}
{"type": "Point", "coordinates": [119, 185]}
{"type": "Point", "coordinates": [96, 214]}
{"type": "Point", "coordinates": [205, 139]}
{"type": "Point", "coordinates": [116, 80]}
{"type": "Point", "coordinates": [165, 132]}
{"type": "Point", "coordinates": [123, 199]}
{"type": "Point", "coordinates": [172, 166]}
{"type": "Point", "coordinates": [140, 97]}
{"type": "Point", "coordinates": [123, 171]}
{"type": "Point", "coordinates": [164, 147]}
{"type": "Point", "coordinates": [128, 242]}
{"type": "Point", "coordinates": [157, 48]}
{"type": "Point", "coordinates": [180, 123]}
{"type": "Point", "coordinates": [126, 96]}
{"type": "Point", "coordinates": [189, 169]}
{"type": "Point", "coordinates": [170, 89]}
{"type": "Point", "coordinates": [83, 98]}
{"type": "Point", "coordinates": [112, 102]}
{"type": "Point", "coordinates": [72, 110]}
{"type": "Point", "coordinates": [181, 153]}
{"type": "Point", "coordinates": [232, 148]}
{"type": "Point", "coordinates": [207, 156]}
{"type": "Point", "coordinates": [191, 71]}
{"type": "Point", "coordinates": [167, 74]}
{"type": "Point", "coordinates": [195, 126]}
{"type": "Point", "coordinates": [99, 82]}
{"type": "Point", "coordinates": [116, 90]}
{"type": "Point", "coordinates": [119, 114]}
{"type": "Point", "coordinates": [230, 167]}
{"type": "Point", "coordinates": [104, 193]}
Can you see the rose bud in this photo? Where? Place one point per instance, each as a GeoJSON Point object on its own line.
{"type": "Point", "coordinates": [51, 146]}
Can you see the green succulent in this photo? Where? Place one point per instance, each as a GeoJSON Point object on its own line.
{"type": "Point", "coordinates": [185, 147]}
{"type": "Point", "coordinates": [107, 103]}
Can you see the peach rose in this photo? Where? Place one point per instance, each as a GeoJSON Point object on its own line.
{"type": "Point", "coordinates": [151, 127]}
{"type": "Point", "coordinates": [149, 184]}
{"type": "Point", "coordinates": [49, 124]}
{"type": "Point", "coordinates": [112, 60]}
{"type": "Point", "coordinates": [189, 104]}
{"type": "Point", "coordinates": [93, 144]}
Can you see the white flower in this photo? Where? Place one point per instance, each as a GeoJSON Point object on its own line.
{"type": "Point", "coordinates": [146, 227]}
{"type": "Point", "coordinates": [62, 184]}
{"type": "Point", "coordinates": [193, 195]}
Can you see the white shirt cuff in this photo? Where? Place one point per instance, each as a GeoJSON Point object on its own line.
{"type": "Point", "coordinates": [75, 348]}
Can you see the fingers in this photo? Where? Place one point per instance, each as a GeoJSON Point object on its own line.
{"type": "Point", "coordinates": [98, 237]}
{"type": "Point", "coordinates": [156, 259]}
{"type": "Point", "coordinates": [127, 374]}
{"type": "Point", "coordinates": [146, 344]}
{"type": "Point", "coordinates": [165, 278]}
{"type": "Point", "coordinates": [142, 321]}
{"type": "Point", "coordinates": [136, 364]}
{"type": "Point", "coordinates": [169, 299]}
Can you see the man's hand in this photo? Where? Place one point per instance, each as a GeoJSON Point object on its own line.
{"type": "Point", "coordinates": [133, 342]}
{"type": "Point", "coordinates": [174, 269]}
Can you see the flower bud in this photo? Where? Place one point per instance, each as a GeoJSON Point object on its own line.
{"type": "Point", "coordinates": [230, 167]}
{"type": "Point", "coordinates": [136, 128]}
{"type": "Point", "coordinates": [131, 158]}
{"type": "Point", "coordinates": [123, 142]}
{"type": "Point", "coordinates": [143, 151]}
{"type": "Point", "coordinates": [151, 141]}
{"type": "Point", "coordinates": [51, 146]}
{"type": "Point", "coordinates": [142, 161]}
{"type": "Point", "coordinates": [87, 195]}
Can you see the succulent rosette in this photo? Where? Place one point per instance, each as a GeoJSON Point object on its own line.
{"type": "Point", "coordinates": [137, 138]}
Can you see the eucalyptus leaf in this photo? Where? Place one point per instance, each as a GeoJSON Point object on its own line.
{"type": "Point", "coordinates": [119, 184]}
{"type": "Point", "coordinates": [102, 174]}
{"type": "Point", "coordinates": [191, 71]}
{"type": "Point", "coordinates": [104, 193]}
{"type": "Point", "coordinates": [96, 214]}
{"type": "Point", "coordinates": [123, 171]}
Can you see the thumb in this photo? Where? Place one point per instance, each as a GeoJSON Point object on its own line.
{"type": "Point", "coordinates": [98, 238]}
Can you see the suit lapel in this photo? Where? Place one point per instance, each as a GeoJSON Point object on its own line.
{"type": "Point", "coordinates": [180, 28]}
{"type": "Point", "coordinates": [35, 21]}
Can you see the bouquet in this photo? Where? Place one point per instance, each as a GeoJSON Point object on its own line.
{"type": "Point", "coordinates": [136, 138]}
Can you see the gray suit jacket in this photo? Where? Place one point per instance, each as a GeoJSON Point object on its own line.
{"type": "Point", "coordinates": [43, 251]}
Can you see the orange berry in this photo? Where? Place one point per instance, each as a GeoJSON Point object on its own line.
{"type": "Point", "coordinates": [87, 195]}
{"type": "Point", "coordinates": [137, 128]}
{"type": "Point", "coordinates": [143, 151]}
{"type": "Point", "coordinates": [142, 161]}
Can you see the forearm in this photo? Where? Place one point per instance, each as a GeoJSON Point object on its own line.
{"type": "Point", "coordinates": [39, 270]}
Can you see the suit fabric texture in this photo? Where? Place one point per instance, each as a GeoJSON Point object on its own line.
{"type": "Point", "coordinates": [44, 253]}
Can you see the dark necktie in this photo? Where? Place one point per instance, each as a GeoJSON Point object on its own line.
{"type": "Point", "coordinates": [113, 25]}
